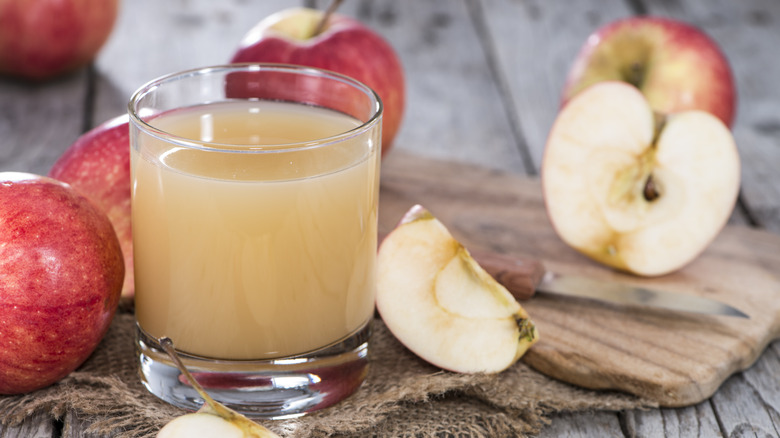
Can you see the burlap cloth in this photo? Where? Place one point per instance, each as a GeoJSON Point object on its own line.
{"type": "Point", "coordinates": [402, 397]}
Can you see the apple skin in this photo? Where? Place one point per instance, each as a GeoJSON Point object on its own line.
{"type": "Point", "coordinates": [97, 164]}
{"type": "Point", "coordinates": [346, 46]}
{"type": "Point", "coordinates": [61, 275]}
{"type": "Point", "coordinates": [41, 39]}
{"type": "Point", "coordinates": [674, 64]}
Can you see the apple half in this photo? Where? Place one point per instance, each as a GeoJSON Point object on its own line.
{"type": "Point", "coordinates": [635, 190]}
{"type": "Point", "coordinates": [439, 303]}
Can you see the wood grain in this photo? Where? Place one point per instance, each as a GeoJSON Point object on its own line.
{"type": "Point", "coordinates": [39, 121]}
{"type": "Point", "coordinates": [673, 358]}
{"type": "Point", "coordinates": [454, 109]}
{"type": "Point", "coordinates": [37, 426]}
{"type": "Point", "coordinates": [698, 420]}
{"type": "Point", "coordinates": [534, 44]}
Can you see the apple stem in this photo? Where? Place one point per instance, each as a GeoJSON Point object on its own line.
{"type": "Point", "coordinates": [650, 191]}
{"type": "Point", "coordinates": [167, 344]}
{"type": "Point", "coordinates": [326, 16]}
{"type": "Point", "coordinates": [660, 124]}
{"type": "Point", "coordinates": [527, 328]}
{"type": "Point", "coordinates": [211, 406]}
{"type": "Point", "coordinates": [636, 75]}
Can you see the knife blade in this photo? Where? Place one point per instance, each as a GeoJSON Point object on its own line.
{"type": "Point", "coordinates": [524, 277]}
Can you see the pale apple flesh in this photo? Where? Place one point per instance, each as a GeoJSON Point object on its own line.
{"type": "Point", "coordinates": [674, 64]}
{"type": "Point", "coordinates": [439, 303]}
{"type": "Point", "coordinates": [295, 23]}
{"type": "Point", "coordinates": [634, 194]}
{"type": "Point", "coordinates": [200, 425]}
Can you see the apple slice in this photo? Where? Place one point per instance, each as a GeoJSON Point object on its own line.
{"type": "Point", "coordinates": [634, 191]}
{"type": "Point", "coordinates": [442, 305]}
{"type": "Point", "coordinates": [213, 419]}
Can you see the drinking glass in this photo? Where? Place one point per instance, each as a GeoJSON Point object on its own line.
{"type": "Point", "coordinates": [254, 212]}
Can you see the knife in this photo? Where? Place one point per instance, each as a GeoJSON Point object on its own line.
{"type": "Point", "coordinates": [524, 277]}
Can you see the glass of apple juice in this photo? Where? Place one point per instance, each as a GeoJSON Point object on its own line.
{"type": "Point", "coordinates": [254, 214]}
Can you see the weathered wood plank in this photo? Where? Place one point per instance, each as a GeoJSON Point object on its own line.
{"type": "Point", "coordinates": [762, 378]}
{"type": "Point", "coordinates": [38, 426]}
{"type": "Point", "coordinates": [454, 109]}
{"type": "Point", "coordinates": [698, 420]}
{"type": "Point", "coordinates": [39, 121]}
{"type": "Point", "coordinates": [749, 403]}
{"type": "Point", "coordinates": [583, 425]}
{"type": "Point", "coordinates": [535, 43]}
{"type": "Point", "coordinates": [75, 427]}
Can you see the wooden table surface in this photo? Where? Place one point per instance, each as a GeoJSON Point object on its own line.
{"type": "Point", "coordinates": [484, 80]}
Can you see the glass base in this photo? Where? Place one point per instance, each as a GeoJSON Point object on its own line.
{"type": "Point", "coordinates": [275, 389]}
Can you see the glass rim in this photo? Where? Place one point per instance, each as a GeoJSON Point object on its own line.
{"type": "Point", "coordinates": [150, 86]}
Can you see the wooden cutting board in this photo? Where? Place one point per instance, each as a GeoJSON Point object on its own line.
{"type": "Point", "coordinates": [676, 359]}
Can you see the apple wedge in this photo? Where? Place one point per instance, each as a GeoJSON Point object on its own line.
{"type": "Point", "coordinates": [439, 303]}
{"type": "Point", "coordinates": [633, 190]}
{"type": "Point", "coordinates": [213, 419]}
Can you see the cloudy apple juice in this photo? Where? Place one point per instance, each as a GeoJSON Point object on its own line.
{"type": "Point", "coordinates": [254, 220]}
{"type": "Point", "coordinates": [259, 241]}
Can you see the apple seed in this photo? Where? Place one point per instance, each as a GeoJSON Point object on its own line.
{"type": "Point", "coordinates": [650, 192]}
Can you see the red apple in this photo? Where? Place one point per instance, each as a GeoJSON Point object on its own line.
{"type": "Point", "coordinates": [674, 64]}
{"type": "Point", "coordinates": [61, 275]}
{"type": "Point", "coordinates": [40, 39]}
{"type": "Point", "coordinates": [98, 166]}
{"type": "Point", "coordinates": [345, 46]}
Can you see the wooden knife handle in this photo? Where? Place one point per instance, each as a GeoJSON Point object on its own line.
{"type": "Point", "coordinates": [520, 275]}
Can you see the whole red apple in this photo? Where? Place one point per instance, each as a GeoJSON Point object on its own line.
{"type": "Point", "coordinates": [674, 64]}
{"type": "Point", "coordinates": [345, 46]}
{"type": "Point", "coordinates": [40, 39]}
{"type": "Point", "coordinates": [61, 275]}
{"type": "Point", "coordinates": [98, 166]}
